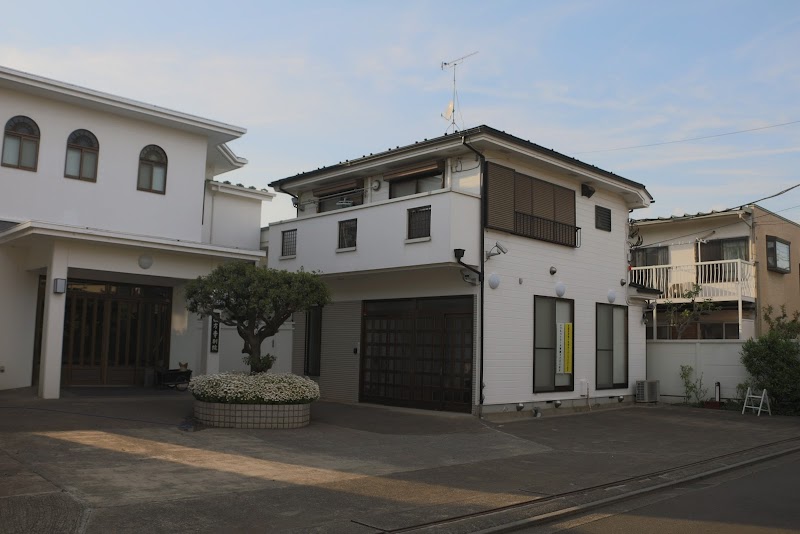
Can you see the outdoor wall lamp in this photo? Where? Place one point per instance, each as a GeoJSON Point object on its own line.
{"type": "Point", "coordinates": [561, 289]}
{"type": "Point", "coordinates": [59, 286]}
{"type": "Point", "coordinates": [500, 250]}
{"type": "Point", "coordinates": [557, 404]}
{"type": "Point", "coordinates": [621, 398]}
{"type": "Point", "coordinates": [553, 271]}
{"type": "Point", "coordinates": [145, 261]}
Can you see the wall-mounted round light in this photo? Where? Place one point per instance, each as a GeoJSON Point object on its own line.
{"type": "Point", "coordinates": [561, 288]}
{"type": "Point", "coordinates": [145, 261]}
{"type": "Point", "coordinates": [612, 296]}
{"type": "Point", "coordinates": [494, 281]}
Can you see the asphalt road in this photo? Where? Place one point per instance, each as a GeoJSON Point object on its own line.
{"type": "Point", "coordinates": [760, 499]}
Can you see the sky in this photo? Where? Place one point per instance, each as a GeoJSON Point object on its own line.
{"type": "Point", "coordinates": [316, 83]}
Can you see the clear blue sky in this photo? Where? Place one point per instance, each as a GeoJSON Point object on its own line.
{"type": "Point", "coordinates": [319, 82]}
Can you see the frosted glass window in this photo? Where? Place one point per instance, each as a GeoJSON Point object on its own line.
{"type": "Point", "coordinates": [612, 346]}
{"type": "Point", "coordinates": [549, 335]}
{"type": "Point", "coordinates": [73, 162]}
{"type": "Point", "coordinates": [144, 177]}
{"type": "Point", "coordinates": [159, 178]}
{"type": "Point", "coordinates": [11, 150]}
{"type": "Point", "coordinates": [89, 170]}
{"type": "Point", "coordinates": [28, 158]}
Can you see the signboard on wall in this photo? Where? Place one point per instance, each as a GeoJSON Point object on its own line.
{"type": "Point", "coordinates": [564, 348]}
{"type": "Point", "coordinates": [214, 335]}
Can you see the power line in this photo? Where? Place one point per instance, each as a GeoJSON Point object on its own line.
{"type": "Point", "coordinates": [688, 139]}
{"type": "Point", "coordinates": [723, 225]}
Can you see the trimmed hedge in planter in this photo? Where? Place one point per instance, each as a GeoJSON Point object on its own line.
{"type": "Point", "coordinates": [263, 400]}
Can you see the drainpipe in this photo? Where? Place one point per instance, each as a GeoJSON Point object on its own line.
{"type": "Point", "coordinates": [482, 160]}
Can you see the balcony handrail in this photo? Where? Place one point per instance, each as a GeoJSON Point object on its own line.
{"type": "Point", "coordinates": [718, 279]}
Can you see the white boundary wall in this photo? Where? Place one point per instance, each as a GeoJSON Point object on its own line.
{"type": "Point", "coordinates": [717, 361]}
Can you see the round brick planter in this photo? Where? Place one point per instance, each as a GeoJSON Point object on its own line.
{"type": "Point", "coordinates": [252, 415]}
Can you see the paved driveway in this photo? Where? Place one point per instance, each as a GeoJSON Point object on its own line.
{"type": "Point", "coordinates": [95, 463]}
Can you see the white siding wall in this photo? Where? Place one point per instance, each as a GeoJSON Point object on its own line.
{"type": "Point", "coordinates": [382, 231]}
{"type": "Point", "coordinates": [714, 360]}
{"type": "Point", "coordinates": [589, 273]}
{"type": "Point", "coordinates": [232, 220]}
{"type": "Point", "coordinates": [17, 319]}
{"type": "Point", "coordinates": [45, 195]}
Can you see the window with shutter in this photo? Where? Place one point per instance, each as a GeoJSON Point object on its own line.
{"type": "Point", "coordinates": [530, 207]}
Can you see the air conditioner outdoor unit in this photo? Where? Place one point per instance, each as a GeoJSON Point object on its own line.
{"type": "Point", "coordinates": [647, 391]}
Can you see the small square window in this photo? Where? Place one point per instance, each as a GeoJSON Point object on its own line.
{"type": "Point", "coordinates": [602, 218]}
{"type": "Point", "coordinates": [348, 231]}
{"type": "Point", "coordinates": [419, 222]}
{"type": "Point", "coordinates": [778, 255]}
{"type": "Point", "coordinates": [289, 243]}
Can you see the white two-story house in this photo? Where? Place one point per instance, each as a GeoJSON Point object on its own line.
{"type": "Point", "coordinates": [473, 272]}
{"type": "Point", "coordinates": [109, 205]}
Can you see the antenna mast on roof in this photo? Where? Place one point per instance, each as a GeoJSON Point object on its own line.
{"type": "Point", "coordinates": [450, 112]}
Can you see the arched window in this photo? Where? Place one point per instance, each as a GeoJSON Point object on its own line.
{"type": "Point", "coordinates": [82, 151]}
{"type": "Point", "coordinates": [21, 143]}
{"type": "Point", "coordinates": [152, 170]}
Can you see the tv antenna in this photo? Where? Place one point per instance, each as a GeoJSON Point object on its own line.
{"type": "Point", "coordinates": [450, 112]}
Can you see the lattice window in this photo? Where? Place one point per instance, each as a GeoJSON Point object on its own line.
{"type": "Point", "coordinates": [419, 222]}
{"type": "Point", "coordinates": [289, 243]}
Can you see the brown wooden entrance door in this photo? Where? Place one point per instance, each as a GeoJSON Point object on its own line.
{"type": "Point", "coordinates": [114, 332]}
{"type": "Point", "coordinates": [419, 353]}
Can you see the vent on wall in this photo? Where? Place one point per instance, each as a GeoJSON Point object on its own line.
{"type": "Point", "coordinates": [602, 218]}
{"type": "Point", "coordinates": [647, 391]}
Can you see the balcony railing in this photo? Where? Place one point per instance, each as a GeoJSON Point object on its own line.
{"type": "Point", "coordinates": [546, 230]}
{"type": "Point", "coordinates": [718, 280]}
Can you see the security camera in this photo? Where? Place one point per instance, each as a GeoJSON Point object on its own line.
{"type": "Point", "coordinates": [501, 248]}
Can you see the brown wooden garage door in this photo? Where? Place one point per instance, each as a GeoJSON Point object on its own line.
{"type": "Point", "coordinates": [418, 353]}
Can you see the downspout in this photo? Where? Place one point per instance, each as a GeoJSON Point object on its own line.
{"type": "Point", "coordinates": [295, 200]}
{"type": "Point", "coordinates": [482, 160]}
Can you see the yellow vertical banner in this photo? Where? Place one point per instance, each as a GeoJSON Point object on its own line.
{"type": "Point", "coordinates": [567, 343]}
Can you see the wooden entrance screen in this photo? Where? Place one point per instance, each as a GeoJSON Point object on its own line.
{"type": "Point", "coordinates": [114, 332]}
{"type": "Point", "coordinates": [418, 353]}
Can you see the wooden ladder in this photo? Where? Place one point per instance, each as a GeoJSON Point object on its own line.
{"type": "Point", "coordinates": [750, 401]}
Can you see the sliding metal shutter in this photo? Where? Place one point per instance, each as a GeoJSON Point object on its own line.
{"type": "Point", "coordinates": [341, 333]}
{"type": "Point", "coordinates": [499, 197]}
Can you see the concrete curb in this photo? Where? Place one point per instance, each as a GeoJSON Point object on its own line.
{"type": "Point", "coordinates": [464, 525]}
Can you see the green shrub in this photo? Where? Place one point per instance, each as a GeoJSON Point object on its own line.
{"type": "Point", "coordinates": [692, 389]}
{"type": "Point", "coordinates": [773, 362]}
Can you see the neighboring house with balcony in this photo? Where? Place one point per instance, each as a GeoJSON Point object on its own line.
{"type": "Point", "coordinates": [473, 272]}
{"type": "Point", "coordinates": [109, 206]}
{"type": "Point", "coordinates": [740, 258]}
